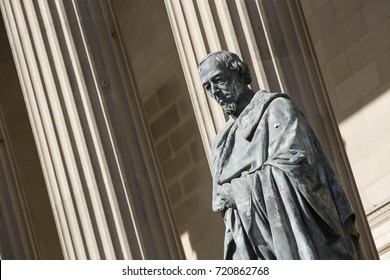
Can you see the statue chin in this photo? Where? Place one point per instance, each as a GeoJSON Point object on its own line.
{"type": "Point", "coordinates": [230, 109]}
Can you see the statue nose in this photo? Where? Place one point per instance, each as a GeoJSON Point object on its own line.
{"type": "Point", "coordinates": [217, 96]}
{"type": "Point", "coordinates": [215, 90]}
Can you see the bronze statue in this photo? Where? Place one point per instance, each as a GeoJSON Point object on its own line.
{"type": "Point", "coordinates": [273, 184]}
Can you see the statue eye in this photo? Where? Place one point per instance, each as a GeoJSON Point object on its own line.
{"type": "Point", "coordinates": [219, 80]}
{"type": "Point", "coordinates": [207, 86]}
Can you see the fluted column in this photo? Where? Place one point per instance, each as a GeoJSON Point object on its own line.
{"type": "Point", "coordinates": [271, 36]}
{"type": "Point", "coordinates": [105, 192]}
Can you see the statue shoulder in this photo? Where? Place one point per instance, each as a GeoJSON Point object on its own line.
{"type": "Point", "coordinates": [282, 104]}
{"type": "Point", "coordinates": [264, 97]}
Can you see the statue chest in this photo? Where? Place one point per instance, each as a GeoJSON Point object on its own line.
{"type": "Point", "coordinates": [238, 155]}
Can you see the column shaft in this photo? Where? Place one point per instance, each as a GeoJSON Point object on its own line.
{"type": "Point", "coordinates": [105, 192]}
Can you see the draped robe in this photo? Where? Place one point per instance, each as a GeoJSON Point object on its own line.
{"type": "Point", "coordinates": [278, 193]}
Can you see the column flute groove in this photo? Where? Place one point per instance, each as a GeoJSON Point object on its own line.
{"type": "Point", "coordinates": [104, 192]}
{"type": "Point", "coordinates": [57, 112]}
{"type": "Point", "coordinates": [97, 207]}
{"type": "Point", "coordinates": [112, 197]}
{"type": "Point", "coordinates": [29, 68]}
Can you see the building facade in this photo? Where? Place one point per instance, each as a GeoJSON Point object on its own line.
{"type": "Point", "coordinates": [105, 129]}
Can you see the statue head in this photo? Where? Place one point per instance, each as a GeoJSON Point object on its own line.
{"type": "Point", "coordinates": [225, 77]}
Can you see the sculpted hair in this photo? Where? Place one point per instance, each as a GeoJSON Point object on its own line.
{"type": "Point", "coordinates": [233, 62]}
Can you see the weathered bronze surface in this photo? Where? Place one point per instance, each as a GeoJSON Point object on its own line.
{"type": "Point", "coordinates": [273, 184]}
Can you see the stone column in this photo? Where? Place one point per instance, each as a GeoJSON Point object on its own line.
{"type": "Point", "coordinates": [272, 37]}
{"type": "Point", "coordinates": [105, 191]}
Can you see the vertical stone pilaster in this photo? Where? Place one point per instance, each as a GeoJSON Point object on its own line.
{"type": "Point", "coordinates": [106, 193]}
{"type": "Point", "coordinates": [271, 36]}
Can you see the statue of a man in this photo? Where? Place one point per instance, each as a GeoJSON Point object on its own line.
{"type": "Point", "coordinates": [273, 184]}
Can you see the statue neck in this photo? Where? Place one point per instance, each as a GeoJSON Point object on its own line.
{"type": "Point", "coordinates": [243, 101]}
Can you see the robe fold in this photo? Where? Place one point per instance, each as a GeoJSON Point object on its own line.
{"type": "Point", "coordinates": [277, 191]}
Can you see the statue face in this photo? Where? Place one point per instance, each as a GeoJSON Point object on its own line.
{"type": "Point", "coordinates": [221, 83]}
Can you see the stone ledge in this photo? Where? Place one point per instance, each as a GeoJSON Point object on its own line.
{"type": "Point", "coordinates": [379, 216]}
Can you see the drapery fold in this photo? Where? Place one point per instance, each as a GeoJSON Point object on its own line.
{"type": "Point", "coordinates": [279, 195]}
